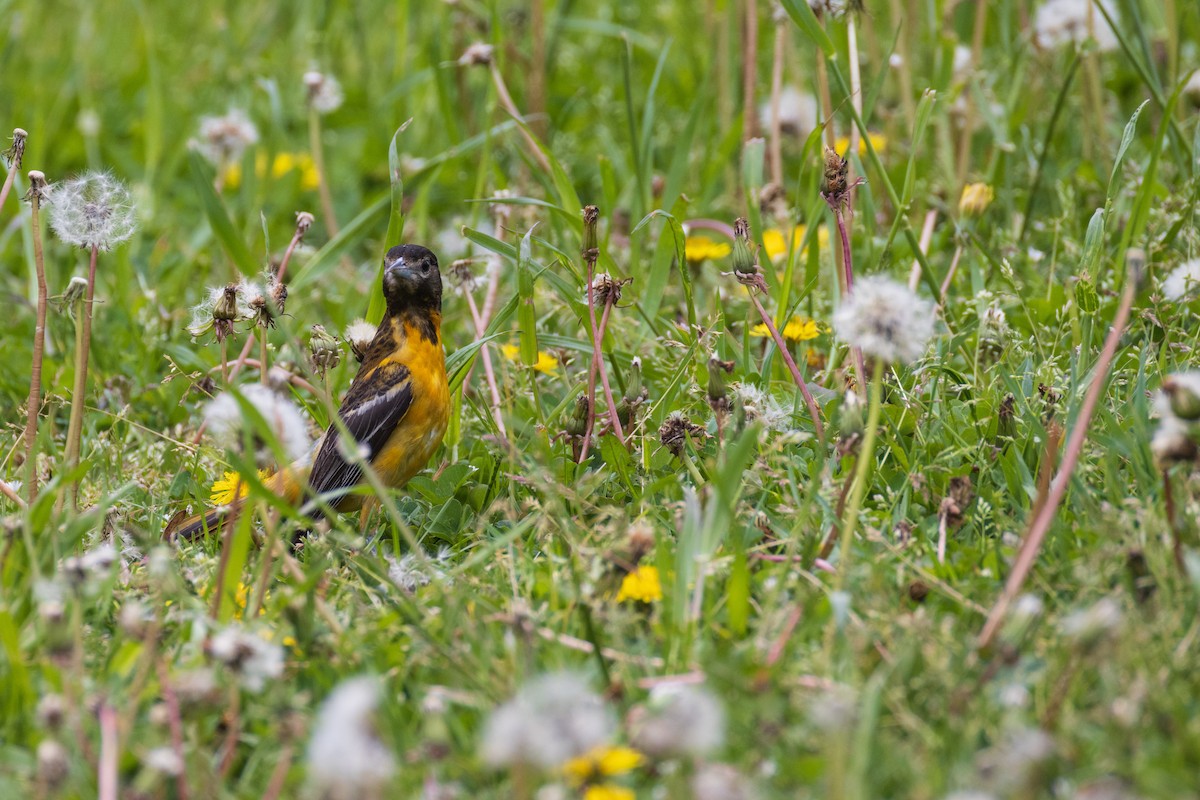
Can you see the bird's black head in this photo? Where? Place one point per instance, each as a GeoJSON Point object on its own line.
{"type": "Point", "coordinates": [411, 280]}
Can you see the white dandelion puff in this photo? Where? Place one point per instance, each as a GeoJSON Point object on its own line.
{"type": "Point", "coordinates": [680, 719]}
{"type": "Point", "coordinates": [252, 658]}
{"type": "Point", "coordinates": [231, 427]}
{"type": "Point", "coordinates": [797, 113]}
{"type": "Point", "coordinates": [553, 718]}
{"type": "Point", "coordinates": [762, 407]}
{"type": "Point", "coordinates": [224, 139]}
{"type": "Point", "coordinates": [721, 782]}
{"type": "Point", "coordinates": [1060, 22]}
{"type": "Point", "coordinates": [346, 759]}
{"type": "Point", "coordinates": [1088, 625]}
{"type": "Point", "coordinates": [164, 760]}
{"type": "Point", "coordinates": [1183, 281]}
{"type": "Point", "coordinates": [885, 319]}
{"type": "Point", "coordinates": [94, 210]}
{"type": "Point", "coordinates": [324, 91]}
{"type": "Point", "coordinates": [360, 334]}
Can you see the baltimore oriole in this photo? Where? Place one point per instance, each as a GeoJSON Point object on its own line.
{"type": "Point", "coordinates": [397, 407]}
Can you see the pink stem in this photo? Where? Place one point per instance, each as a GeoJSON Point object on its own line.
{"type": "Point", "coordinates": [488, 371]}
{"type": "Point", "coordinates": [1058, 488]}
{"type": "Point", "coordinates": [109, 753]}
{"type": "Point", "coordinates": [813, 410]}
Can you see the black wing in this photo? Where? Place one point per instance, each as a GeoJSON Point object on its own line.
{"type": "Point", "coordinates": [372, 409]}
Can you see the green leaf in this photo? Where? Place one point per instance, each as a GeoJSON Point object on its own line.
{"type": "Point", "coordinates": [526, 315]}
{"type": "Point", "coordinates": [218, 217]}
{"type": "Point", "coordinates": [802, 14]}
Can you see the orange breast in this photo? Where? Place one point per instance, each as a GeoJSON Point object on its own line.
{"type": "Point", "coordinates": [420, 432]}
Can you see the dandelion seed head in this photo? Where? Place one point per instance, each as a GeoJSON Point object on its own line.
{"type": "Point", "coordinates": [1060, 22]}
{"type": "Point", "coordinates": [762, 407]}
{"type": "Point", "coordinates": [797, 113]}
{"type": "Point", "coordinates": [1088, 625]}
{"type": "Point", "coordinates": [721, 782]}
{"type": "Point", "coordinates": [53, 765]}
{"type": "Point", "coordinates": [324, 91]}
{"type": "Point", "coordinates": [252, 658]}
{"type": "Point", "coordinates": [680, 720]}
{"type": "Point", "coordinates": [223, 140]}
{"type": "Point", "coordinates": [93, 210]}
{"type": "Point", "coordinates": [885, 319]}
{"type": "Point", "coordinates": [834, 710]}
{"type": "Point", "coordinates": [346, 759]}
{"type": "Point", "coordinates": [360, 334]}
{"type": "Point", "coordinates": [231, 428]}
{"type": "Point", "coordinates": [1184, 280]}
{"type": "Point", "coordinates": [553, 718]}
{"type": "Point", "coordinates": [478, 54]}
{"type": "Point", "coordinates": [163, 760]}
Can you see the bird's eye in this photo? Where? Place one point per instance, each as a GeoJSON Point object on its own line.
{"type": "Point", "coordinates": [425, 268]}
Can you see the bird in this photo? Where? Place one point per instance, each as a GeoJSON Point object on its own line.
{"type": "Point", "coordinates": [397, 408]}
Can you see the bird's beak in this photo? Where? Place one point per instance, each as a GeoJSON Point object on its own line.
{"type": "Point", "coordinates": [399, 274]}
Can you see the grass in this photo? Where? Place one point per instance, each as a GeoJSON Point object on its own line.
{"type": "Point", "coordinates": [868, 681]}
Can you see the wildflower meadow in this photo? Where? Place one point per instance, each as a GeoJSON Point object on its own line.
{"type": "Point", "coordinates": [820, 414]}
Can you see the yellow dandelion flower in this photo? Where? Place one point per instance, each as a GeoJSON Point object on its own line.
{"type": "Point", "coordinates": [602, 762]}
{"type": "Point", "coordinates": [776, 244]}
{"type": "Point", "coordinates": [546, 363]}
{"type": "Point", "coordinates": [976, 197]}
{"type": "Point", "coordinates": [230, 487]}
{"type": "Point", "coordinates": [702, 248]}
{"type": "Point", "coordinates": [608, 791]}
{"type": "Point", "coordinates": [797, 329]}
{"type": "Point", "coordinates": [878, 140]}
{"type": "Point", "coordinates": [233, 176]}
{"type": "Point", "coordinates": [641, 585]}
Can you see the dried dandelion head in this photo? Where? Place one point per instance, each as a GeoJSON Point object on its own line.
{"type": "Point", "coordinates": [323, 349]}
{"type": "Point", "coordinates": [16, 151]}
{"type": "Point", "coordinates": [223, 140]}
{"type": "Point", "coordinates": [478, 54]}
{"type": "Point", "coordinates": [675, 431]}
{"type": "Point", "coordinates": [94, 210]}
{"type": "Point", "coordinates": [224, 306]}
{"type": "Point", "coordinates": [324, 91]}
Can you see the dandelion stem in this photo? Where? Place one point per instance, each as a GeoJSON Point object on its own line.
{"type": "Point", "coordinates": [839, 213]}
{"type": "Point", "coordinates": [489, 371]}
{"type": "Point", "coordinates": [855, 79]}
{"type": "Point", "coordinates": [813, 410]}
{"type": "Point", "coordinates": [862, 473]}
{"type": "Point", "coordinates": [968, 122]}
{"type": "Point", "coordinates": [175, 725]}
{"type": "Point", "coordinates": [264, 367]}
{"type": "Point", "coordinates": [83, 341]}
{"type": "Point", "coordinates": [34, 406]}
{"type": "Point", "coordinates": [749, 71]}
{"type": "Point", "coordinates": [109, 753]}
{"type": "Point", "coordinates": [1040, 523]}
{"type": "Point", "coordinates": [776, 133]}
{"type": "Point", "coordinates": [1173, 523]}
{"type": "Point", "coordinates": [506, 100]}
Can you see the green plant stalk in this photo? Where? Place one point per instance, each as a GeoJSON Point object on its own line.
{"type": "Point", "coordinates": [263, 364]}
{"type": "Point", "coordinates": [813, 410]}
{"type": "Point", "coordinates": [968, 125]}
{"type": "Point", "coordinates": [34, 406]}
{"type": "Point", "coordinates": [318, 157]}
{"type": "Point", "coordinates": [83, 341]}
{"type": "Point", "coordinates": [862, 471]}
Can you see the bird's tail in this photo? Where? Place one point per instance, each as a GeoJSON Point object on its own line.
{"type": "Point", "coordinates": [286, 483]}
